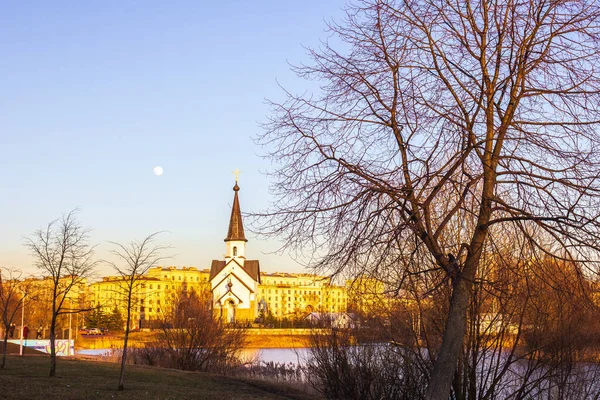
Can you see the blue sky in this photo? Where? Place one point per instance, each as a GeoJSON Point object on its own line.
{"type": "Point", "coordinates": [95, 94]}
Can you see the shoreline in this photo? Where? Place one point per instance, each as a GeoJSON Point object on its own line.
{"type": "Point", "coordinates": [255, 339]}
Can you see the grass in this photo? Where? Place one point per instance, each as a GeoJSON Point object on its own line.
{"type": "Point", "coordinates": [27, 378]}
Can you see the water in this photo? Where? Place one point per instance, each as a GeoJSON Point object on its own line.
{"type": "Point", "coordinates": [286, 355]}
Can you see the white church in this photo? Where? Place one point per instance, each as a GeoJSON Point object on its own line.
{"type": "Point", "coordinates": [234, 281]}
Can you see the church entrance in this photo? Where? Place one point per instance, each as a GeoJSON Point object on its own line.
{"type": "Point", "coordinates": [231, 312]}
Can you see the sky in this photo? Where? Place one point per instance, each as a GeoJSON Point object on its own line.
{"type": "Point", "coordinates": [95, 94]}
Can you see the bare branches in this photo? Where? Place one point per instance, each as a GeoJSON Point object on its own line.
{"type": "Point", "coordinates": [63, 253]}
{"type": "Point", "coordinates": [133, 261]}
{"type": "Point", "coordinates": [12, 292]}
{"type": "Point", "coordinates": [439, 120]}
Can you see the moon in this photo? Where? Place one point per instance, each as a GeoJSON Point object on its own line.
{"type": "Point", "coordinates": [158, 171]}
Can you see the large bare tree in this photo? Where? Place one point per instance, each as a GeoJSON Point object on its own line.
{"type": "Point", "coordinates": [132, 263]}
{"type": "Point", "coordinates": [62, 252]}
{"type": "Point", "coordinates": [437, 124]}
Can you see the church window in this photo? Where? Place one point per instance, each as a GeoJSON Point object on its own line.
{"type": "Point", "coordinates": [173, 277]}
{"type": "Point", "coordinates": [179, 277]}
{"type": "Point", "coordinates": [158, 286]}
{"type": "Point", "coordinates": [150, 309]}
{"type": "Point", "coordinates": [150, 286]}
{"type": "Point", "coordinates": [234, 251]}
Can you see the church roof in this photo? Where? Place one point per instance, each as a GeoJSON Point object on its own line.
{"type": "Point", "coordinates": [252, 268]}
{"type": "Point", "coordinates": [236, 227]}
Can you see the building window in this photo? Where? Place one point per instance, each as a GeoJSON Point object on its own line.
{"type": "Point", "coordinates": [234, 251]}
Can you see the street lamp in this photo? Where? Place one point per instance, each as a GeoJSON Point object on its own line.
{"type": "Point", "coordinates": [22, 323]}
{"type": "Point", "coordinates": [70, 318]}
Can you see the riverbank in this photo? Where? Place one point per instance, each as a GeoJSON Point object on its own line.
{"type": "Point", "coordinates": [256, 338]}
{"type": "Point", "coordinates": [26, 378]}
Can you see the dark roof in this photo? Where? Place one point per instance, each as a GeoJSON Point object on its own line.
{"type": "Point", "coordinates": [236, 227]}
{"type": "Point", "coordinates": [216, 267]}
{"type": "Point", "coordinates": [252, 268]}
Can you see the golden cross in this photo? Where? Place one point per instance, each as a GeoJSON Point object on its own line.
{"type": "Point", "coordinates": [237, 174]}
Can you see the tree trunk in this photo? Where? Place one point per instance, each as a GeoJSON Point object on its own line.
{"type": "Point", "coordinates": [124, 356]}
{"type": "Point", "coordinates": [53, 346]}
{"type": "Point", "coordinates": [4, 348]}
{"type": "Point", "coordinates": [445, 364]}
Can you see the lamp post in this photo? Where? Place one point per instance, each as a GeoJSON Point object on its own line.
{"type": "Point", "coordinates": [22, 324]}
{"type": "Point", "coordinates": [70, 318]}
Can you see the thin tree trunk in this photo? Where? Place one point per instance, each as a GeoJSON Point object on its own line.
{"type": "Point", "coordinates": [124, 356]}
{"type": "Point", "coordinates": [4, 348]}
{"type": "Point", "coordinates": [53, 346]}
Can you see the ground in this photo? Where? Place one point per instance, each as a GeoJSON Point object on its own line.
{"type": "Point", "coordinates": [27, 378]}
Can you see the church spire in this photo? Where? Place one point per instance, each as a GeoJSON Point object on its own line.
{"type": "Point", "coordinates": [236, 227]}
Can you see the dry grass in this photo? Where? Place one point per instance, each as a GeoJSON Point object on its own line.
{"type": "Point", "coordinates": [27, 378]}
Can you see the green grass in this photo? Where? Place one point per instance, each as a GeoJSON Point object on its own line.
{"type": "Point", "coordinates": [27, 378]}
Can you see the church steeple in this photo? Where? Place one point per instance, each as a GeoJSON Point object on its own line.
{"type": "Point", "coordinates": [236, 227]}
{"type": "Point", "coordinates": [235, 242]}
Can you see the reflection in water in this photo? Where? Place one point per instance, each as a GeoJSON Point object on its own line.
{"type": "Point", "coordinates": [287, 355]}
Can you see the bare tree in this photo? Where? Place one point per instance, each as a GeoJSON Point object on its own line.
{"type": "Point", "coordinates": [134, 260]}
{"type": "Point", "coordinates": [64, 255]}
{"type": "Point", "coordinates": [12, 292]}
{"type": "Point", "coordinates": [438, 124]}
{"type": "Point", "coordinates": [193, 338]}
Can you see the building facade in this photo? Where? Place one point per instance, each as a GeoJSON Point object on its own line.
{"type": "Point", "coordinates": [287, 295]}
